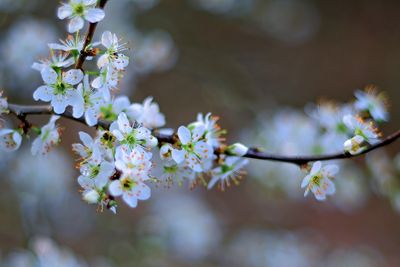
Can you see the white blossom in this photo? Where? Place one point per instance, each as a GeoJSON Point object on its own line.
{"type": "Point", "coordinates": [132, 188]}
{"type": "Point", "coordinates": [147, 114]}
{"type": "Point", "coordinates": [319, 180]}
{"type": "Point", "coordinates": [89, 103]}
{"type": "Point", "coordinates": [107, 81]}
{"type": "Point", "coordinates": [228, 170]}
{"type": "Point", "coordinates": [96, 171]}
{"type": "Point", "coordinates": [212, 130]}
{"type": "Point", "coordinates": [10, 140]}
{"type": "Point", "coordinates": [194, 150]}
{"type": "Point", "coordinates": [134, 163]}
{"type": "Point", "coordinates": [58, 89]}
{"type": "Point", "coordinates": [49, 136]}
{"type": "Point", "coordinates": [77, 11]}
{"type": "Point", "coordinates": [130, 137]}
{"type": "Point", "coordinates": [112, 56]}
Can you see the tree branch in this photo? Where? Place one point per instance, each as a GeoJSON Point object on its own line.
{"type": "Point", "coordinates": [88, 39]}
{"type": "Point", "coordinates": [21, 111]}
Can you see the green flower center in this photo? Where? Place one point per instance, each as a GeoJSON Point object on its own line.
{"type": "Point", "coordinates": [79, 9]}
{"type": "Point", "coordinates": [128, 184]}
{"type": "Point", "coordinates": [316, 179]}
{"type": "Point", "coordinates": [60, 88]}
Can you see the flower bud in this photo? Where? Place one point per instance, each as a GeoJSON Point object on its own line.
{"type": "Point", "coordinates": [354, 145]}
{"type": "Point", "coordinates": [152, 142]}
{"type": "Point", "coordinates": [237, 149]}
{"type": "Point", "coordinates": [91, 197]}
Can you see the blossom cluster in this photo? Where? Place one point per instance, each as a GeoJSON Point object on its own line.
{"type": "Point", "coordinates": [131, 150]}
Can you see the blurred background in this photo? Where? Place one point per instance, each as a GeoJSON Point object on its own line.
{"type": "Point", "coordinates": [256, 64]}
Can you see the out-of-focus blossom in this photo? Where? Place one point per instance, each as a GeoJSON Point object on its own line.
{"type": "Point", "coordinates": [10, 140]}
{"type": "Point", "coordinates": [49, 136]}
{"type": "Point", "coordinates": [255, 248]}
{"type": "Point", "coordinates": [290, 21]}
{"type": "Point", "coordinates": [190, 229]}
{"type": "Point", "coordinates": [373, 102]}
{"type": "Point", "coordinates": [24, 43]}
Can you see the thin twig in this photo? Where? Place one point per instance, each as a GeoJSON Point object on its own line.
{"type": "Point", "coordinates": [23, 110]}
{"type": "Point", "coordinates": [88, 39]}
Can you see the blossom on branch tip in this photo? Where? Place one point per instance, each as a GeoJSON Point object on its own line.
{"type": "Point", "coordinates": [77, 11]}
{"type": "Point", "coordinates": [10, 140]}
{"type": "Point", "coordinates": [59, 89]}
{"type": "Point", "coordinates": [319, 180]}
{"type": "Point", "coordinates": [49, 136]}
{"type": "Point", "coordinates": [237, 149]}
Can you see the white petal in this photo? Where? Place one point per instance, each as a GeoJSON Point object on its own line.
{"type": "Point", "coordinates": [306, 181]}
{"type": "Point", "coordinates": [115, 188]}
{"type": "Point", "coordinates": [178, 155]}
{"type": "Point", "coordinates": [130, 199]}
{"type": "Point", "coordinates": [142, 191]}
{"type": "Point", "coordinates": [316, 167]}
{"type": "Point", "coordinates": [75, 24]}
{"type": "Point", "coordinates": [73, 77]}
{"type": "Point", "coordinates": [123, 123]}
{"type": "Point", "coordinates": [198, 132]}
{"type": "Point", "coordinates": [49, 75]}
{"type": "Point", "coordinates": [86, 139]}
{"type": "Point", "coordinates": [331, 170]}
{"type": "Point", "coordinates": [44, 93]}
{"type": "Point", "coordinates": [59, 104]}
{"type": "Point", "coordinates": [102, 61]}
{"type": "Point", "coordinates": [184, 135]}
{"type": "Point", "coordinates": [64, 11]}
{"type": "Point", "coordinates": [107, 39]}
{"type": "Point", "coordinates": [97, 82]}
{"type": "Point", "coordinates": [94, 15]}
{"type": "Point", "coordinates": [89, 2]}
